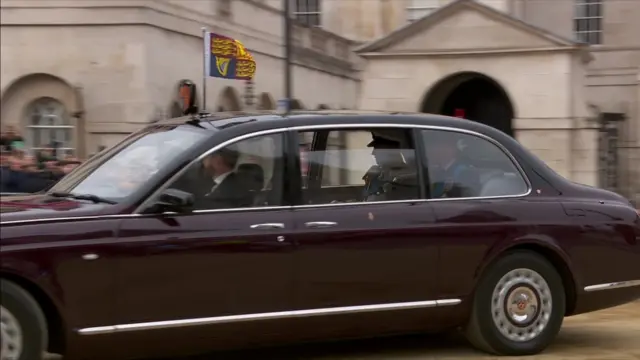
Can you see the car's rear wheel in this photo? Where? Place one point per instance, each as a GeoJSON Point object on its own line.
{"type": "Point", "coordinates": [518, 307]}
{"type": "Point", "coordinates": [23, 329]}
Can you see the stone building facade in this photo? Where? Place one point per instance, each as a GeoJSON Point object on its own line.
{"type": "Point", "coordinates": [87, 73]}
{"type": "Point", "coordinates": [108, 67]}
{"type": "Point", "coordinates": [559, 89]}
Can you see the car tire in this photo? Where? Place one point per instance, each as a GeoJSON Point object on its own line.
{"type": "Point", "coordinates": [24, 328]}
{"type": "Point", "coordinates": [518, 306]}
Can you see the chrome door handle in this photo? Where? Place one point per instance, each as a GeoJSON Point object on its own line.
{"type": "Point", "coordinates": [268, 226]}
{"type": "Point", "coordinates": [320, 224]}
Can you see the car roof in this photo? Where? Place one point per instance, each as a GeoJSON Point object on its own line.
{"type": "Point", "coordinates": [270, 118]}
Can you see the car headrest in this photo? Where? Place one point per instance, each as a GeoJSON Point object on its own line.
{"type": "Point", "coordinates": [253, 172]}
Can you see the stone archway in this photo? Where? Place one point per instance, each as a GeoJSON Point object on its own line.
{"type": "Point", "coordinates": [33, 91]}
{"type": "Point", "coordinates": [229, 100]}
{"type": "Point", "coordinates": [266, 102]}
{"type": "Point", "coordinates": [473, 96]}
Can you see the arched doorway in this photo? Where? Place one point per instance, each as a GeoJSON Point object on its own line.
{"type": "Point", "coordinates": [47, 110]}
{"type": "Point", "coordinates": [473, 96]}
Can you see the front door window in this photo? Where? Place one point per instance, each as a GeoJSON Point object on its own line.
{"type": "Point", "coordinates": [246, 174]}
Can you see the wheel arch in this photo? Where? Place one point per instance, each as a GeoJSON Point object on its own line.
{"type": "Point", "coordinates": [551, 253]}
{"type": "Point", "coordinates": [53, 316]}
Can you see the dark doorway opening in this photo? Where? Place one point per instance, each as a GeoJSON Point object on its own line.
{"type": "Point", "coordinates": [473, 96]}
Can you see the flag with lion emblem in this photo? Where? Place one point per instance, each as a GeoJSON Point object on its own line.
{"type": "Point", "coordinates": [227, 58]}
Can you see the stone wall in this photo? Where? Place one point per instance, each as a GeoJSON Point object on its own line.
{"type": "Point", "coordinates": [127, 58]}
{"type": "Point", "coordinates": [542, 87]}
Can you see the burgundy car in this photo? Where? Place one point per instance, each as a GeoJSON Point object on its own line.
{"type": "Point", "coordinates": [208, 232]}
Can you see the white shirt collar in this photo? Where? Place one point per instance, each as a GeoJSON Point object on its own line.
{"type": "Point", "coordinates": [220, 178]}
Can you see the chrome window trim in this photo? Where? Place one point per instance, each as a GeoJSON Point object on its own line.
{"type": "Point", "coordinates": [523, 174]}
{"type": "Point", "coordinates": [354, 126]}
{"type": "Point", "coordinates": [124, 216]}
{"type": "Point", "coordinates": [167, 324]}
{"type": "Point", "coordinates": [136, 212]}
{"type": "Point", "coordinates": [51, 220]}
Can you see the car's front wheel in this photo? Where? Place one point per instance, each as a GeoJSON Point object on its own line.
{"type": "Point", "coordinates": [518, 307]}
{"type": "Point", "coordinates": [23, 330]}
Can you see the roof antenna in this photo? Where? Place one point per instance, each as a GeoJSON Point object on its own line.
{"type": "Point", "coordinates": [194, 121]}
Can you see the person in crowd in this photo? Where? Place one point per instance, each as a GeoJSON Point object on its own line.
{"type": "Point", "coordinates": [21, 172]}
{"type": "Point", "coordinates": [11, 139]}
{"type": "Point", "coordinates": [5, 171]}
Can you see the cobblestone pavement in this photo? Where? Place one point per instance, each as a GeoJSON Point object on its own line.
{"type": "Point", "coordinates": [612, 334]}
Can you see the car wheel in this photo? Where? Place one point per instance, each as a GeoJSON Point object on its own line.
{"type": "Point", "coordinates": [518, 307]}
{"type": "Point", "coordinates": [23, 329]}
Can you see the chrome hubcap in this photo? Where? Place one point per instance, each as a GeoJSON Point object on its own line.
{"type": "Point", "coordinates": [521, 305]}
{"type": "Point", "coordinates": [10, 336]}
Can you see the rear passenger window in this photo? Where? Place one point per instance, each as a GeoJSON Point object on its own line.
{"type": "Point", "coordinates": [462, 165]}
{"type": "Point", "coordinates": [368, 165]}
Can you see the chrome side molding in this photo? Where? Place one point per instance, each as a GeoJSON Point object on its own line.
{"type": "Point", "coordinates": [613, 285]}
{"type": "Point", "coordinates": [266, 316]}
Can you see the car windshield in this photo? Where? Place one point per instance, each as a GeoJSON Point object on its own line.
{"type": "Point", "coordinates": [118, 172]}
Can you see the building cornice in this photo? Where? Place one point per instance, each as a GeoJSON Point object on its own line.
{"type": "Point", "coordinates": [175, 18]}
{"type": "Point", "coordinates": [470, 52]}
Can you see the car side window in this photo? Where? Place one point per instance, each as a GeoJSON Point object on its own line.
{"type": "Point", "coordinates": [362, 166]}
{"type": "Point", "coordinates": [249, 173]}
{"type": "Point", "coordinates": [462, 165]}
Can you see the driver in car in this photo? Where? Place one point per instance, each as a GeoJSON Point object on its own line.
{"type": "Point", "coordinates": [224, 188]}
{"type": "Point", "coordinates": [450, 176]}
{"type": "Point", "coordinates": [215, 184]}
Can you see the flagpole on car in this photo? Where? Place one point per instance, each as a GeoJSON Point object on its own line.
{"type": "Point", "coordinates": [206, 55]}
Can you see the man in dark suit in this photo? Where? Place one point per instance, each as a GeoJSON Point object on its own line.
{"type": "Point", "coordinates": [219, 187]}
{"type": "Point", "coordinates": [450, 176]}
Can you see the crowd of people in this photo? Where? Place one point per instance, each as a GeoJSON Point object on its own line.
{"type": "Point", "coordinates": [26, 171]}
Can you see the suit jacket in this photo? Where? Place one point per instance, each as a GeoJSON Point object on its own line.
{"type": "Point", "coordinates": [231, 193]}
{"type": "Point", "coordinates": [458, 180]}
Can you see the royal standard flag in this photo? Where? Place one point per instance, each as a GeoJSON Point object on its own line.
{"type": "Point", "coordinates": [227, 58]}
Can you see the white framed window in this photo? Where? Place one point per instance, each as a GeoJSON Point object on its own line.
{"type": "Point", "coordinates": [417, 9]}
{"type": "Point", "coordinates": [308, 12]}
{"type": "Point", "coordinates": [48, 122]}
{"type": "Point", "coordinates": [587, 23]}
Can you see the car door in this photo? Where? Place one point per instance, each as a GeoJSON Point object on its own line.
{"type": "Point", "coordinates": [358, 258]}
{"type": "Point", "coordinates": [478, 200]}
{"type": "Point", "coordinates": [203, 276]}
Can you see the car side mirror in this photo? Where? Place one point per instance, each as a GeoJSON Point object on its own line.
{"type": "Point", "coordinates": [174, 200]}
